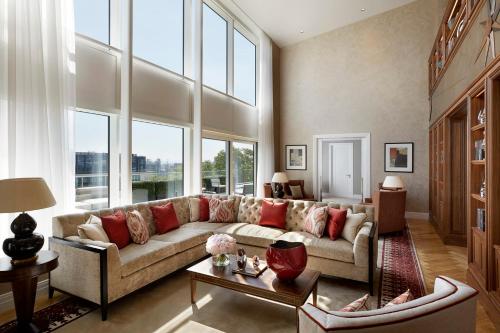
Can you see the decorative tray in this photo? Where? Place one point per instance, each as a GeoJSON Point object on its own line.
{"type": "Point", "coordinates": [249, 270]}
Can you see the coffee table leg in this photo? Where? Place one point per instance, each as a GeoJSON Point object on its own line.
{"type": "Point", "coordinates": [193, 290]}
{"type": "Point", "coordinates": [297, 314]}
{"type": "Point", "coordinates": [315, 294]}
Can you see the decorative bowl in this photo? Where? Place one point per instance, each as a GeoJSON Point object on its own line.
{"type": "Point", "coordinates": [287, 259]}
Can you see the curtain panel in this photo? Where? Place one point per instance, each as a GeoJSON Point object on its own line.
{"type": "Point", "coordinates": [37, 98]}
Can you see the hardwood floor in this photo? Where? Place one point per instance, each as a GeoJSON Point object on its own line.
{"type": "Point", "coordinates": [436, 258]}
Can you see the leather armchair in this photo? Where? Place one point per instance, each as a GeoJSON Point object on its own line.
{"type": "Point", "coordinates": [390, 209]}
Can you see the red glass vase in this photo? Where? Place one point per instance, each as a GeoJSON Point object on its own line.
{"type": "Point", "coordinates": [287, 259]}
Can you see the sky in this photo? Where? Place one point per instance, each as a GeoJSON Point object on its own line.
{"type": "Point", "coordinates": [158, 38]}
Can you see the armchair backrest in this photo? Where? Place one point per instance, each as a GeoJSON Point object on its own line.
{"type": "Point", "coordinates": [450, 308]}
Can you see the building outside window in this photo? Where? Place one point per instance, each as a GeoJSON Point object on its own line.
{"type": "Point", "coordinates": [91, 161]}
{"type": "Point", "coordinates": [157, 161]}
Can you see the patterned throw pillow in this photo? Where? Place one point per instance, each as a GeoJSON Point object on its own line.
{"type": "Point", "coordinates": [296, 192]}
{"type": "Point", "coordinates": [359, 304]}
{"type": "Point", "coordinates": [137, 227]}
{"type": "Point", "coordinates": [403, 298]}
{"type": "Point", "coordinates": [221, 211]}
{"type": "Point", "coordinates": [352, 225]}
{"type": "Point", "coordinates": [93, 230]}
{"type": "Point", "coordinates": [316, 221]}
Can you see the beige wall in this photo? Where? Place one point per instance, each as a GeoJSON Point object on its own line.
{"type": "Point", "coordinates": [367, 77]}
{"type": "Point", "coordinates": [463, 69]}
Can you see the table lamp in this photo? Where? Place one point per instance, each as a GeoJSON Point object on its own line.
{"type": "Point", "coordinates": [278, 179]}
{"type": "Point", "coordinates": [393, 183]}
{"type": "Point", "coordinates": [21, 195]}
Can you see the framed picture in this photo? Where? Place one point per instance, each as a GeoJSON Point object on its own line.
{"type": "Point", "coordinates": [399, 157]}
{"type": "Point", "coordinates": [296, 157]}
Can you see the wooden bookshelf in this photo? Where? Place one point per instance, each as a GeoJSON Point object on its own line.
{"type": "Point", "coordinates": [457, 20]}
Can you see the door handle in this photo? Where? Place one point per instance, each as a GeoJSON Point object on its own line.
{"type": "Point", "coordinates": [348, 176]}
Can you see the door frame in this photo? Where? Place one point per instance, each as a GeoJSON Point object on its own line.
{"type": "Point", "coordinates": [330, 166]}
{"type": "Point", "coordinates": [365, 139]}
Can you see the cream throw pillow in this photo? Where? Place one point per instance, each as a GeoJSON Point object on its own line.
{"type": "Point", "coordinates": [352, 225]}
{"type": "Point", "coordinates": [194, 209]}
{"type": "Point", "coordinates": [296, 192]}
{"type": "Point", "coordinates": [93, 230]}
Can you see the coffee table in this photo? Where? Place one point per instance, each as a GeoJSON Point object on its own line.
{"type": "Point", "coordinates": [266, 286]}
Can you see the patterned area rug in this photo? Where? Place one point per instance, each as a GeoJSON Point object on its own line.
{"type": "Point", "coordinates": [400, 269]}
{"type": "Point", "coordinates": [56, 315]}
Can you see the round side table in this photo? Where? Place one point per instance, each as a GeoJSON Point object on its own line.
{"type": "Point", "coordinates": [24, 282]}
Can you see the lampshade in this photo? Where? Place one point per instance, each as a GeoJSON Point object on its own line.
{"type": "Point", "coordinates": [279, 177]}
{"type": "Point", "coordinates": [24, 194]}
{"type": "Point", "coordinates": [393, 182]}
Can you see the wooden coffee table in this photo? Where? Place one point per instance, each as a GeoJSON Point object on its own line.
{"type": "Point", "coordinates": [266, 286]}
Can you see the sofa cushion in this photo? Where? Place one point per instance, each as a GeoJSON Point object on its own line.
{"type": "Point", "coordinates": [204, 226]}
{"type": "Point", "coordinates": [251, 234]}
{"type": "Point", "coordinates": [183, 238]}
{"type": "Point", "coordinates": [116, 228]}
{"type": "Point", "coordinates": [324, 247]}
{"type": "Point", "coordinates": [165, 218]}
{"type": "Point", "coordinates": [135, 257]}
{"type": "Point", "coordinates": [273, 214]}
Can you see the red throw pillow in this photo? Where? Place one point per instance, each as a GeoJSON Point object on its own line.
{"type": "Point", "coordinates": [204, 210]}
{"type": "Point", "coordinates": [165, 218]}
{"type": "Point", "coordinates": [116, 228]}
{"type": "Point", "coordinates": [335, 223]}
{"type": "Point", "coordinates": [273, 214]}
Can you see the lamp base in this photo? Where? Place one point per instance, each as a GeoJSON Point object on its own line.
{"type": "Point", "coordinates": [278, 191]}
{"type": "Point", "coordinates": [24, 246]}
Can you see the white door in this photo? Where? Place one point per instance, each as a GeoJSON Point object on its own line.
{"type": "Point", "coordinates": [341, 169]}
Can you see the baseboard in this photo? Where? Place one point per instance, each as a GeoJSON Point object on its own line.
{"type": "Point", "coordinates": [417, 215]}
{"type": "Point", "coordinates": [7, 299]}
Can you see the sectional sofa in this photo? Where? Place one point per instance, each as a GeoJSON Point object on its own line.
{"type": "Point", "coordinates": [101, 273]}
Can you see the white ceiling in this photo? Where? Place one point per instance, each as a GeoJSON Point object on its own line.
{"type": "Point", "coordinates": [283, 20]}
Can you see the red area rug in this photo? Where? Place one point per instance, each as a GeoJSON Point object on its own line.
{"type": "Point", "coordinates": [400, 269]}
{"type": "Point", "coordinates": [56, 315]}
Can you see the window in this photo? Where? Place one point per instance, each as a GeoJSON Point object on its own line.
{"type": "Point", "coordinates": [214, 166]}
{"type": "Point", "coordinates": [214, 50]}
{"type": "Point", "coordinates": [92, 19]}
{"type": "Point", "coordinates": [157, 161]}
{"type": "Point", "coordinates": [244, 68]}
{"type": "Point", "coordinates": [159, 32]}
{"type": "Point", "coordinates": [91, 161]}
{"type": "Point", "coordinates": [244, 168]}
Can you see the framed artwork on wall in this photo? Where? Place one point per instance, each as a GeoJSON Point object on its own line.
{"type": "Point", "coordinates": [399, 157]}
{"type": "Point", "coordinates": [296, 157]}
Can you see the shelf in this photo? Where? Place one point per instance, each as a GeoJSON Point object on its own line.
{"type": "Point", "coordinates": [477, 127]}
{"type": "Point", "coordinates": [479, 231]}
{"type": "Point", "coordinates": [478, 162]}
{"type": "Point", "coordinates": [478, 197]}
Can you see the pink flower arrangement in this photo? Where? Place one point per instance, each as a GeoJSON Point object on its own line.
{"type": "Point", "coordinates": [221, 244]}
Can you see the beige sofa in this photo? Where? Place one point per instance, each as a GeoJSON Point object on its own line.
{"type": "Point", "coordinates": [451, 308]}
{"type": "Point", "coordinates": [101, 273]}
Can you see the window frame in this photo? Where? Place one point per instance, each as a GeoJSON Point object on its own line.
{"type": "Point", "coordinates": [233, 168]}
{"type": "Point", "coordinates": [111, 8]}
{"type": "Point", "coordinates": [249, 37]}
{"type": "Point", "coordinates": [184, 41]}
{"type": "Point", "coordinates": [160, 123]}
{"type": "Point", "coordinates": [109, 127]}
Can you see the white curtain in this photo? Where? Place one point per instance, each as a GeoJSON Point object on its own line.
{"type": "Point", "coordinates": [37, 97]}
{"type": "Point", "coordinates": [265, 168]}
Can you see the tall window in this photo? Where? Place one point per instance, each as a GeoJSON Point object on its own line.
{"type": "Point", "coordinates": [244, 168]}
{"type": "Point", "coordinates": [159, 32]}
{"type": "Point", "coordinates": [92, 19]}
{"type": "Point", "coordinates": [91, 161]}
{"type": "Point", "coordinates": [244, 68]}
{"type": "Point", "coordinates": [214, 49]}
{"type": "Point", "coordinates": [157, 161]}
{"type": "Point", "coordinates": [214, 166]}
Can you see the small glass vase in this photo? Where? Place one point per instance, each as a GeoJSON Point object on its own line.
{"type": "Point", "coordinates": [220, 260]}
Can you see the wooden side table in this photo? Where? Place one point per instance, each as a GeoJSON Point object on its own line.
{"type": "Point", "coordinates": [24, 282]}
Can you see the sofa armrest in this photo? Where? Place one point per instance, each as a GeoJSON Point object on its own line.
{"type": "Point", "coordinates": [86, 268]}
{"type": "Point", "coordinates": [365, 250]}
{"type": "Point", "coordinates": [311, 319]}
